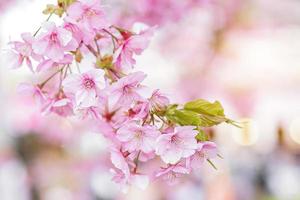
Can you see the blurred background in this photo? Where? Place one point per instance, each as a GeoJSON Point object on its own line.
{"type": "Point", "coordinates": [245, 54]}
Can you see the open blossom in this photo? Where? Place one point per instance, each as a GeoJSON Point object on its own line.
{"type": "Point", "coordinates": [180, 143]}
{"type": "Point", "coordinates": [89, 16]}
{"type": "Point", "coordinates": [171, 173]}
{"type": "Point", "coordinates": [84, 86]}
{"type": "Point", "coordinates": [71, 26]}
{"type": "Point", "coordinates": [126, 89]}
{"type": "Point", "coordinates": [140, 181]}
{"type": "Point", "coordinates": [205, 150]}
{"type": "Point", "coordinates": [158, 101]}
{"type": "Point", "coordinates": [61, 106]}
{"type": "Point", "coordinates": [139, 111]}
{"type": "Point", "coordinates": [23, 51]}
{"type": "Point", "coordinates": [122, 174]}
{"type": "Point", "coordinates": [138, 138]}
{"type": "Point", "coordinates": [48, 63]}
{"type": "Point", "coordinates": [53, 42]}
{"type": "Point", "coordinates": [134, 44]}
{"type": "Point", "coordinates": [32, 90]}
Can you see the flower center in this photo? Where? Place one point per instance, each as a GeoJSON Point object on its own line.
{"type": "Point", "coordinates": [126, 89]}
{"type": "Point", "coordinates": [138, 134]}
{"type": "Point", "coordinates": [88, 83]}
{"type": "Point", "coordinates": [89, 12]}
{"type": "Point", "coordinates": [176, 140]}
{"type": "Point", "coordinates": [53, 37]}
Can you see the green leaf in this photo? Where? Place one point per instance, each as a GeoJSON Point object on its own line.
{"type": "Point", "coordinates": [208, 120]}
{"type": "Point", "coordinates": [183, 117]}
{"type": "Point", "coordinates": [201, 136]}
{"type": "Point", "coordinates": [204, 107]}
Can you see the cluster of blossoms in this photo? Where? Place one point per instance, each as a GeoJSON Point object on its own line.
{"type": "Point", "coordinates": [140, 127]}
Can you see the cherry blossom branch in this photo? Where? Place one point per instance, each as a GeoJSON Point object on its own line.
{"type": "Point", "coordinates": [107, 92]}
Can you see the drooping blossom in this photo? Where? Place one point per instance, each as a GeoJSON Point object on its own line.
{"type": "Point", "coordinates": [49, 63]}
{"type": "Point", "coordinates": [205, 150]}
{"type": "Point", "coordinates": [133, 44]}
{"type": "Point", "coordinates": [21, 51]}
{"type": "Point", "coordinates": [61, 106]}
{"type": "Point", "coordinates": [138, 138]}
{"type": "Point", "coordinates": [122, 174]}
{"type": "Point", "coordinates": [85, 87]}
{"type": "Point", "coordinates": [172, 173]}
{"type": "Point", "coordinates": [54, 41]}
{"type": "Point", "coordinates": [140, 181]}
{"type": "Point", "coordinates": [139, 111]}
{"type": "Point", "coordinates": [180, 143]}
{"type": "Point", "coordinates": [32, 90]}
{"type": "Point", "coordinates": [71, 26]}
{"type": "Point", "coordinates": [158, 101]}
{"type": "Point", "coordinates": [127, 88]}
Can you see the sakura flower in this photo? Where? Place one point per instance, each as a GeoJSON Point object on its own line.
{"type": "Point", "coordinates": [53, 42]}
{"type": "Point", "coordinates": [134, 44]}
{"type": "Point", "coordinates": [138, 180]}
{"type": "Point", "coordinates": [60, 106]}
{"type": "Point", "coordinates": [122, 174]}
{"type": "Point", "coordinates": [71, 26]}
{"type": "Point", "coordinates": [171, 173]}
{"type": "Point", "coordinates": [180, 143]}
{"type": "Point", "coordinates": [32, 90]}
{"type": "Point", "coordinates": [23, 51]}
{"type": "Point", "coordinates": [119, 161]}
{"type": "Point", "coordinates": [140, 110]}
{"type": "Point", "coordinates": [89, 16]}
{"type": "Point", "coordinates": [126, 89]}
{"type": "Point", "coordinates": [138, 138]}
{"type": "Point", "coordinates": [48, 63]}
{"type": "Point", "coordinates": [85, 86]}
{"type": "Point", "coordinates": [90, 113]}
{"type": "Point", "coordinates": [158, 101]}
{"type": "Point", "coordinates": [205, 150]}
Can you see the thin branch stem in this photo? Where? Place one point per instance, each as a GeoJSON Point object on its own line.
{"type": "Point", "coordinates": [50, 77]}
{"type": "Point", "coordinates": [92, 50]}
{"type": "Point", "coordinates": [36, 32]}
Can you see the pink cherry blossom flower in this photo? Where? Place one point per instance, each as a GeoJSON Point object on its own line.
{"type": "Point", "coordinates": [119, 161]}
{"type": "Point", "coordinates": [89, 16]}
{"type": "Point", "coordinates": [54, 41]}
{"type": "Point", "coordinates": [48, 63]}
{"type": "Point", "coordinates": [158, 101]}
{"type": "Point", "coordinates": [138, 180]}
{"type": "Point", "coordinates": [204, 151]}
{"type": "Point", "coordinates": [139, 111]}
{"type": "Point", "coordinates": [126, 89]}
{"type": "Point", "coordinates": [122, 174]}
{"type": "Point", "coordinates": [71, 26]}
{"type": "Point", "coordinates": [87, 113]}
{"type": "Point", "coordinates": [32, 90]}
{"type": "Point", "coordinates": [23, 51]}
{"type": "Point", "coordinates": [138, 138]}
{"type": "Point", "coordinates": [135, 44]}
{"type": "Point", "coordinates": [180, 143]}
{"type": "Point", "coordinates": [61, 106]}
{"type": "Point", "coordinates": [85, 86]}
{"type": "Point", "coordinates": [172, 173]}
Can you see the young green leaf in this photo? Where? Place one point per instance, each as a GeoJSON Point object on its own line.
{"type": "Point", "coordinates": [201, 136]}
{"type": "Point", "coordinates": [204, 107]}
